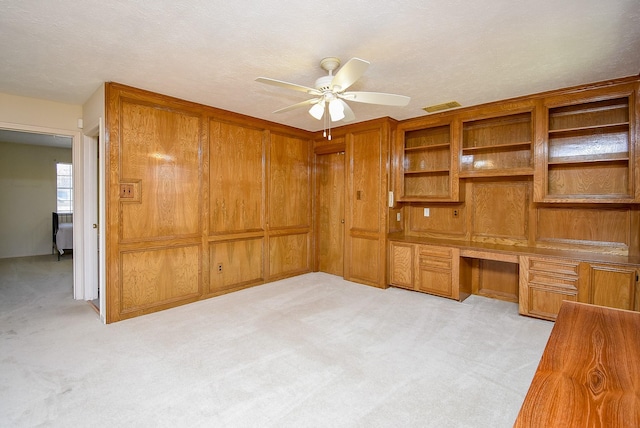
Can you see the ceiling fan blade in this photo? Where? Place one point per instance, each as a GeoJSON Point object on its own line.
{"type": "Point", "coordinates": [298, 105]}
{"type": "Point", "coordinates": [288, 85]}
{"type": "Point", "coordinates": [348, 113]}
{"type": "Point", "coordinates": [376, 98]}
{"type": "Point", "coordinates": [349, 73]}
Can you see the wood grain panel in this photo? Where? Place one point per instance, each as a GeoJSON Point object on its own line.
{"type": "Point", "coordinates": [156, 277]}
{"type": "Point", "coordinates": [396, 225]}
{"type": "Point", "coordinates": [289, 182]}
{"type": "Point", "coordinates": [401, 264]}
{"type": "Point", "coordinates": [330, 213]}
{"type": "Point", "coordinates": [427, 160]}
{"type": "Point", "coordinates": [441, 220]}
{"type": "Point", "coordinates": [427, 137]}
{"type": "Point", "coordinates": [497, 131]}
{"type": "Point", "coordinates": [577, 146]}
{"type": "Point", "coordinates": [498, 280]}
{"type": "Point", "coordinates": [365, 257]}
{"type": "Point", "coordinates": [433, 185]}
{"type": "Point", "coordinates": [583, 225]}
{"type": "Point", "coordinates": [160, 148]}
{"type": "Point", "coordinates": [597, 113]}
{"type": "Point", "coordinates": [236, 191]}
{"type": "Point", "coordinates": [288, 255]}
{"type": "Point", "coordinates": [496, 159]}
{"type": "Point", "coordinates": [366, 170]}
{"type": "Point", "coordinates": [501, 210]}
{"type": "Point", "coordinates": [611, 180]}
{"type": "Point", "coordinates": [234, 264]}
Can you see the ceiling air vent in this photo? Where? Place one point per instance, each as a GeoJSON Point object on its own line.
{"type": "Point", "coordinates": [444, 106]}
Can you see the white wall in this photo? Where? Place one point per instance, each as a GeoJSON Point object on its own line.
{"type": "Point", "coordinates": [40, 113]}
{"type": "Point", "coordinates": [27, 197]}
{"type": "Point", "coordinates": [93, 110]}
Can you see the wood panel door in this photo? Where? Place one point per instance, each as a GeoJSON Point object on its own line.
{"type": "Point", "coordinates": [330, 213]}
{"type": "Point", "coordinates": [365, 208]}
{"type": "Point", "coordinates": [613, 286]}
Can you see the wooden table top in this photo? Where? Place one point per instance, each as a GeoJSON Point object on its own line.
{"type": "Point", "coordinates": [589, 373]}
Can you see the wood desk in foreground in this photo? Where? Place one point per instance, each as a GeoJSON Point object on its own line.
{"type": "Point", "coordinates": [589, 373]}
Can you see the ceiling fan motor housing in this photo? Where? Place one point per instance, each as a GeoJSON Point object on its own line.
{"type": "Point", "coordinates": [329, 64]}
{"type": "Point", "coordinates": [324, 83]}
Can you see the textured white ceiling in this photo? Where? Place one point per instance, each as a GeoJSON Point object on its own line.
{"type": "Point", "coordinates": [211, 51]}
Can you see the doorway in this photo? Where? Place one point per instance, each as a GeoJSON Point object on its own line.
{"type": "Point", "coordinates": [330, 213]}
{"type": "Point", "coordinates": [79, 197]}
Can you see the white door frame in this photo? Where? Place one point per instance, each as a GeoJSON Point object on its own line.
{"type": "Point", "coordinates": [93, 148]}
{"type": "Point", "coordinates": [78, 197]}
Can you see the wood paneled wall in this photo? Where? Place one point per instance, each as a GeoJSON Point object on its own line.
{"type": "Point", "coordinates": [501, 211]}
{"type": "Point", "coordinates": [200, 202]}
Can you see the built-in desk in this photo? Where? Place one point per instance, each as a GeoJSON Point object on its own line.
{"type": "Point", "coordinates": [538, 279]}
{"type": "Point", "coordinates": [589, 373]}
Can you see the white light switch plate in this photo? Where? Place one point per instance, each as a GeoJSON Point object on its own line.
{"type": "Point", "coordinates": [426, 212]}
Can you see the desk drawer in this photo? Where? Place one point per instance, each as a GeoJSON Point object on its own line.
{"type": "Point", "coordinates": [428, 262]}
{"type": "Point", "coordinates": [429, 251]}
{"type": "Point", "coordinates": [568, 268]}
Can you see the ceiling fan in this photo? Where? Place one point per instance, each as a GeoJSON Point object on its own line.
{"type": "Point", "coordinates": [331, 91]}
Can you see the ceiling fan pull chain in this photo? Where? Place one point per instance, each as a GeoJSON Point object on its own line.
{"type": "Point", "coordinates": [327, 120]}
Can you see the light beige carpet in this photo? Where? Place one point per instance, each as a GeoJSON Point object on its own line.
{"type": "Point", "coordinates": [309, 351]}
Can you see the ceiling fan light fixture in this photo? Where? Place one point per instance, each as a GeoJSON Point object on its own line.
{"type": "Point", "coordinates": [336, 110]}
{"type": "Point", "coordinates": [330, 92]}
{"type": "Point", "coordinates": [317, 110]}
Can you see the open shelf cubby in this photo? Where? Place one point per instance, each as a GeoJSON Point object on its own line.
{"type": "Point", "coordinates": [589, 150]}
{"type": "Point", "coordinates": [497, 146]}
{"type": "Point", "coordinates": [427, 163]}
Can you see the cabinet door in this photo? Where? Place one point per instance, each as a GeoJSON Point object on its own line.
{"type": "Point", "coordinates": [545, 284]}
{"type": "Point", "coordinates": [401, 257]}
{"type": "Point", "coordinates": [613, 286]}
{"type": "Point", "coordinates": [437, 271]}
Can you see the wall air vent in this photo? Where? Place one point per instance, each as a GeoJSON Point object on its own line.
{"type": "Point", "coordinates": [444, 106]}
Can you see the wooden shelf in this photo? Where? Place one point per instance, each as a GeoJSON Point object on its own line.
{"type": "Point", "coordinates": [612, 127]}
{"type": "Point", "coordinates": [427, 172]}
{"type": "Point", "coordinates": [609, 198]}
{"type": "Point", "coordinates": [422, 198]}
{"type": "Point", "coordinates": [497, 147]}
{"type": "Point", "coordinates": [427, 148]}
{"type": "Point", "coordinates": [496, 172]}
{"type": "Point", "coordinates": [587, 159]}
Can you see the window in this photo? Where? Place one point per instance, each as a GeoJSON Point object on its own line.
{"type": "Point", "coordinates": [65, 188]}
